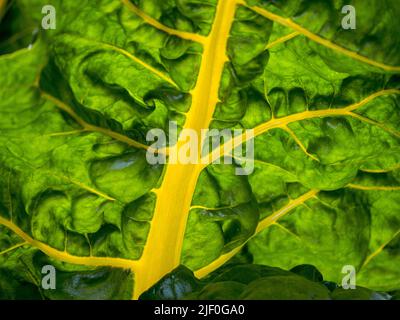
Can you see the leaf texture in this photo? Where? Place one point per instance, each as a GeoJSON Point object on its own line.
{"type": "Point", "coordinates": [77, 102]}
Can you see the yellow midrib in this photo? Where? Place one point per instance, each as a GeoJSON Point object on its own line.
{"type": "Point", "coordinates": [163, 248]}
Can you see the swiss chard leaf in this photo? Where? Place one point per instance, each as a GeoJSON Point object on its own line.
{"type": "Point", "coordinates": [77, 191]}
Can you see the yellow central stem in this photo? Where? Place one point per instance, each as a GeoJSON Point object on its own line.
{"type": "Point", "coordinates": [162, 252]}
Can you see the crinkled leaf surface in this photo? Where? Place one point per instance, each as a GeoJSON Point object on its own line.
{"type": "Point", "coordinates": [77, 192]}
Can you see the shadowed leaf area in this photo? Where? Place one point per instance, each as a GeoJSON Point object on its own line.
{"type": "Point", "coordinates": [256, 282]}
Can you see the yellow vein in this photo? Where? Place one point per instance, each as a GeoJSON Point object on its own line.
{"type": "Point", "coordinates": [90, 189]}
{"type": "Point", "coordinates": [108, 46]}
{"type": "Point", "coordinates": [379, 250]}
{"type": "Point", "coordinates": [88, 127]}
{"type": "Point", "coordinates": [77, 183]}
{"type": "Point", "coordinates": [263, 224]}
{"type": "Point", "coordinates": [314, 37]}
{"type": "Point", "coordinates": [141, 62]}
{"type": "Point", "coordinates": [211, 209]}
{"type": "Point", "coordinates": [371, 97]}
{"type": "Point", "coordinates": [282, 40]}
{"type": "Point", "coordinates": [286, 230]}
{"type": "Point", "coordinates": [377, 124]}
{"type": "Point", "coordinates": [156, 24]}
{"type": "Point", "coordinates": [275, 123]}
{"type": "Point", "coordinates": [381, 170]}
{"type": "Point", "coordinates": [264, 163]}
{"type": "Point", "coordinates": [66, 257]}
{"type": "Point", "coordinates": [66, 133]}
{"type": "Point", "coordinates": [299, 143]}
{"type": "Point", "coordinates": [280, 213]}
{"type": "Point", "coordinates": [13, 248]}
{"type": "Point", "coordinates": [373, 188]}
